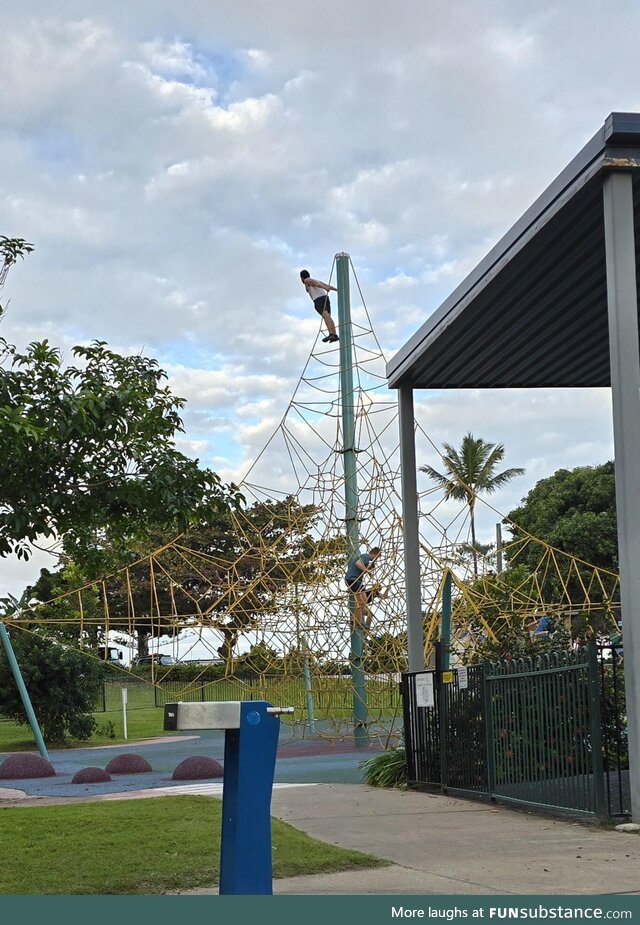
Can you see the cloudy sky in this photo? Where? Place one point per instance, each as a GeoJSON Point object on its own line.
{"type": "Point", "coordinates": [177, 164]}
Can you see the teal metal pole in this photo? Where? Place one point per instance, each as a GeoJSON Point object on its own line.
{"type": "Point", "coordinates": [445, 662]}
{"type": "Point", "coordinates": [360, 718]}
{"type": "Point", "coordinates": [24, 694]}
{"type": "Point", "coordinates": [446, 623]}
{"type": "Point", "coordinates": [307, 686]}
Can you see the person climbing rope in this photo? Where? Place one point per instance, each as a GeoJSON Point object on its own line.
{"type": "Point", "coordinates": [358, 567]}
{"type": "Point", "coordinates": [318, 293]}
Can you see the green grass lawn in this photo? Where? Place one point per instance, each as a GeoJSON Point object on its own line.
{"type": "Point", "coordinates": [140, 847]}
{"type": "Point", "coordinates": [141, 724]}
{"type": "Point", "coordinates": [145, 719]}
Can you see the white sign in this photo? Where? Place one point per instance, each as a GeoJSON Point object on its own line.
{"type": "Point", "coordinates": [463, 679]}
{"type": "Point", "coordinates": [424, 690]}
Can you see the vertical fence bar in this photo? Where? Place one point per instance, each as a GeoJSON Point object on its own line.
{"type": "Point", "coordinates": [602, 673]}
{"type": "Point", "coordinates": [618, 699]}
{"type": "Point", "coordinates": [558, 696]}
{"type": "Point", "coordinates": [595, 723]}
{"type": "Point", "coordinates": [489, 731]}
{"type": "Point", "coordinates": [540, 726]}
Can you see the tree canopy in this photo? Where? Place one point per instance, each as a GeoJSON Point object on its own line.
{"type": "Point", "coordinates": [573, 510]}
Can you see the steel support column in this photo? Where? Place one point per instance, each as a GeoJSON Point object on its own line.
{"type": "Point", "coordinates": [22, 690]}
{"type": "Point", "coordinates": [415, 626]}
{"type": "Point", "coordinates": [625, 390]}
{"type": "Point", "coordinates": [348, 396]}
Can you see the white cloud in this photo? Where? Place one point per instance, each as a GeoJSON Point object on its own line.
{"type": "Point", "coordinates": [177, 165]}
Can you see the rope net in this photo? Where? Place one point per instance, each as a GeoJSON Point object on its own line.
{"type": "Point", "coordinates": [262, 593]}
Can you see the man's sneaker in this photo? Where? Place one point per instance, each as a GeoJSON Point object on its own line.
{"type": "Point", "coordinates": [325, 339]}
{"type": "Point", "coordinates": [332, 338]}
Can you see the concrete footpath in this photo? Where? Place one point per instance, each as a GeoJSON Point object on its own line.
{"type": "Point", "coordinates": [442, 845]}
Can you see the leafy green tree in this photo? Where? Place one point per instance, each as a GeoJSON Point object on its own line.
{"type": "Point", "coordinates": [63, 685]}
{"type": "Point", "coordinates": [573, 510]}
{"type": "Point", "coordinates": [260, 659]}
{"type": "Point", "coordinates": [469, 472]}
{"type": "Point", "coordinates": [11, 249]}
{"type": "Point", "coordinates": [88, 451]}
{"type": "Point", "coordinates": [87, 454]}
{"type": "Point", "coordinates": [502, 618]}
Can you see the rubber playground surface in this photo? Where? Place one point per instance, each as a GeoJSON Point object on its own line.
{"type": "Point", "coordinates": [314, 760]}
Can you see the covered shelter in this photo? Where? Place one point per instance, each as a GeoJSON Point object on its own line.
{"type": "Point", "coordinates": [553, 305]}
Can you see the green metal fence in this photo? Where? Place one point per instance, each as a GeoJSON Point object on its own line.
{"type": "Point", "coordinates": [526, 731]}
{"type": "Point", "coordinates": [332, 696]}
{"type": "Point", "coordinates": [545, 744]}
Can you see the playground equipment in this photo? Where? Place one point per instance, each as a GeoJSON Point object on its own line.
{"type": "Point", "coordinates": [250, 744]}
{"type": "Point", "coordinates": [272, 578]}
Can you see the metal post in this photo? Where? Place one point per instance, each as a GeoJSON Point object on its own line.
{"type": "Point", "coordinates": [22, 690]}
{"type": "Point", "coordinates": [360, 717]}
{"type": "Point", "coordinates": [307, 686]}
{"type": "Point", "coordinates": [625, 393]}
{"type": "Point", "coordinates": [443, 718]}
{"type": "Point", "coordinates": [415, 625]}
{"type": "Point", "coordinates": [445, 684]}
{"type": "Point", "coordinates": [595, 724]}
{"type": "Point", "coordinates": [249, 766]}
{"type": "Point", "coordinates": [445, 631]}
{"type": "Point", "coordinates": [252, 729]}
{"type": "Point", "coordinates": [487, 692]}
{"type": "Point", "coordinates": [499, 549]}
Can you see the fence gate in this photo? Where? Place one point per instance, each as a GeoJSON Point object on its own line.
{"type": "Point", "coordinates": [544, 738]}
{"type": "Point", "coordinates": [525, 731]}
{"type": "Point", "coordinates": [445, 735]}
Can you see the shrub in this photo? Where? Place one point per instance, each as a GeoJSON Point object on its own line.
{"type": "Point", "coordinates": [386, 770]}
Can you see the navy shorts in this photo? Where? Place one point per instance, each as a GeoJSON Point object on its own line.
{"type": "Point", "coordinates": [354, 584]}
{"type": "Point", "coordinates": [322, 304]}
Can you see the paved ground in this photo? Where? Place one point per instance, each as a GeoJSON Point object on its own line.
{"type": "Point", "coordinates": [439, 844]}
{"type": "Point", "coordinates": [434, 844]}
{"type": "Point", "coordinates": [299, 761]}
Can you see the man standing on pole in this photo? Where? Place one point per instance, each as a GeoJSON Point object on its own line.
{"type": "Point", "coordinates": [318, 293]}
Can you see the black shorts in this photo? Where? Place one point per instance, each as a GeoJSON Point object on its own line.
{"type": "Point", "coordinates": [322, 304]}
{"type": "Point", "coordinates": [355, 584]}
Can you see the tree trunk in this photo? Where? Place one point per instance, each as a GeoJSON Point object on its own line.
{"type": "Point", "coordinates": [143, 642]}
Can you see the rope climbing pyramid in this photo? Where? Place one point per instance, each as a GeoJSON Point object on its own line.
{"type": "Point", "coordinates": [263, 591]}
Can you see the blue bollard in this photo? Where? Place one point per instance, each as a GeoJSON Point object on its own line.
{"type": "Point", "coordinates": [250, 745]}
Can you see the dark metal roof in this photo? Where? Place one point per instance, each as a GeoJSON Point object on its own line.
{"type": "Point", "coordinates": [533, 313]}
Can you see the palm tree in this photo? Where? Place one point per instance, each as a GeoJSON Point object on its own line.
{"type": "Point", "coordinates": [470, 471]}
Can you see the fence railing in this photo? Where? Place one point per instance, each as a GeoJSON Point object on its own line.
{"type": "Point", "coordinates": [546, 731]}
{"type": "Point", "coordinates": [545, 745]}
{"type": "Point", "coordinates": [331, 696]}
{"type": "Point", "coordinates": [615, 744]}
